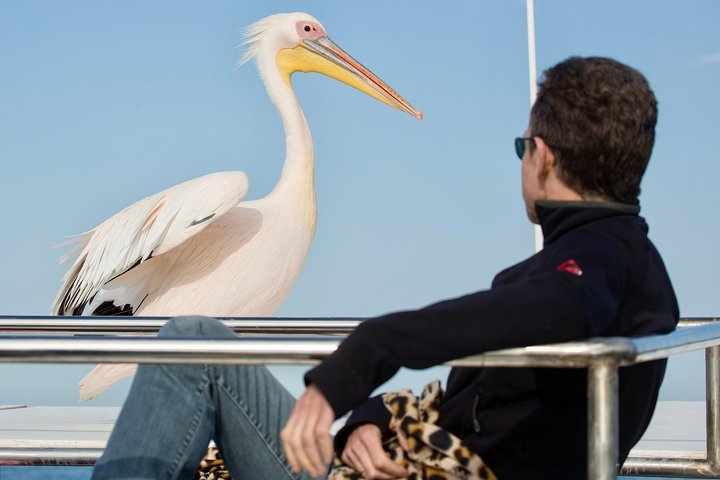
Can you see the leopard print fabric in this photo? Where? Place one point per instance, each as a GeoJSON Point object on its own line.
{"type": "Point", "coordinates": [212, 466]}
{"type": "Point", "coordinates": [430, 452]}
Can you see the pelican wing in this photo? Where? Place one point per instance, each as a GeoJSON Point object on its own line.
{"type": "Point", "coordinates": [149, 227]}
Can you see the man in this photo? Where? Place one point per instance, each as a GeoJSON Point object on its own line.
{"type": "Point", "coordinates": [583, 155]}
{"type": "Point", "coordinates": [588, 142]}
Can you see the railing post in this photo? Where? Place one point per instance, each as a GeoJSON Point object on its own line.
{"type": "Point", "coordinates": [603, 419]}
{"type": "Point", "coordinates": [712, 405]}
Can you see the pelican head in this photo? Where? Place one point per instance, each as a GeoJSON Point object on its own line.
{"type": "Point", "coordinates": [299, 43]}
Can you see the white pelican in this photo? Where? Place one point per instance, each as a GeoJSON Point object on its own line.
{"type": "Point", "coordinates": [196, 248]}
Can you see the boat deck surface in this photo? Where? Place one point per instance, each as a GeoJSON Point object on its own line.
{"type": "Point", "coordinates": [56, 427]}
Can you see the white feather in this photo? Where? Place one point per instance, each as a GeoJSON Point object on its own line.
{"type": "Point", "coordinates": [151, 226]}
{"type": "Point", "coordinates": [102, 377]}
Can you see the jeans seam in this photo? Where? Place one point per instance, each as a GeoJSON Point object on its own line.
{"type": "Point", "coordinates": [192, 430]}
{"type": "Point", "coordinates": [279, 457]}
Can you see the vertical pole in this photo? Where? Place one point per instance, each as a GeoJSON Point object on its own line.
{"type": "Point", "coordinates": [532, 71]}
{"type": "Point", "coordinates": [532, 60]}
{"type": "Point", "coordinates": [603, 425]}
{"type": "Point", "coordinates": [712, 405]}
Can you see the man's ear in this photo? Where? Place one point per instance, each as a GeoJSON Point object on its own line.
{"type": "Point", "coordinates": [545, 159]}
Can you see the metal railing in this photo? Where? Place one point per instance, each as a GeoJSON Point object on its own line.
{"type": "Point", "coordinates": [149, 326]}
{"type": "Point", "coordinates": [297, 341]}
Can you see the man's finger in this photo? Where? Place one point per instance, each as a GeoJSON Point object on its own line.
{"type": "Point", "coordinates": [364, 452]}
{"type": "Point", "coordinates": [308, 444]}
{"type": "Point", "coordinates": [306, 437]}
{"type": "Point", "coordinates": [402, 440]}
{"type": "Point", "coordinates": [380, 458]}
{"type": "Point", "coordinates": [348, 458]}
{"type": "Point", "coordinates": [363, 464]}
{"type": "Point", "coordinates": [292, 438]}
{"type": "Point", "coordinates": [392, 469]}
{"type": "Point", "coordinates": [351, 458]}
{"type": "Point", "coordinates": [303, 439]}
{"type": "Point", "coordinates": [316, 430]}
{"type": "Point", "coordinates": [285, 436]}
{"type": "Point", "coordinates": [322, 433]}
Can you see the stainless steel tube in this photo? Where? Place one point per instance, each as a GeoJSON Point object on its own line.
{"type": "Point", "coordinates": [247, 351]}
{"type": "Point", "coordinates": [712, 405]}
{"type": "Point", "coordinates": [49, 456]}
{"type": "Point", "coordinates": [697, 321]}
{"type": "Point", "coordinates": [667, 467]}
{"type": "Point", "coordinates": [270, 350]}
{"type": "Point", "coordinates": [682, 340]}
{"type": "Point", "coordinates": [603, 426]}
{"type": "Point", "coordinates": [150, 325]}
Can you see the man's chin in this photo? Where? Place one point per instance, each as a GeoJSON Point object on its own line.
{"type": "Point", "coordinates": [532, 215]}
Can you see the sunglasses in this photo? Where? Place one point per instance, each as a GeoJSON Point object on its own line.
{"type": "Point", "coordinates": [520, 145]}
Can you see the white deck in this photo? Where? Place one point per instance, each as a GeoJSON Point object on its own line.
{"type": "Point", "coordinates": [56, 427]}
{"type": "Point", "coordinates": [676, 427]}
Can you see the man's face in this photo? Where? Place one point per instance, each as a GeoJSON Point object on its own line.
{"type": "Point", "coordinates": [530, 190]}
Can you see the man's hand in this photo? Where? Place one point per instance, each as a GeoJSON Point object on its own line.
{"type": "Point", "coordinates": [364, 452]}
{"type": "Point", "coordinates": [306, 436]}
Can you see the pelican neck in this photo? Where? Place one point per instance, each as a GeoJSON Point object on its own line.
{"type": "Point", "coordinates": [297, 174]}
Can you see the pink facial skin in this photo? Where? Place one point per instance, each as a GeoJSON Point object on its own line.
{"type": "Point", "coordinates": [309, 30]}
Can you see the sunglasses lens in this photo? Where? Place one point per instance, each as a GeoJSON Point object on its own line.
{"type": "Point", "coordinates": [520, 147]}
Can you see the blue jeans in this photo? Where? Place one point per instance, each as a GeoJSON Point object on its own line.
{"type": "Point", "coordinates": [173, 411]}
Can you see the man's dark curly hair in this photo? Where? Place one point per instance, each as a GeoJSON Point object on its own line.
{"type": "Point", "coordinates": [598, 117]}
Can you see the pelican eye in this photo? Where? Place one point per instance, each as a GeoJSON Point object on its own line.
{"type": "Point", "coordinates": [307, 28]}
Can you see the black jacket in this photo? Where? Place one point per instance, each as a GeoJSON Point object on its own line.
{"type": "Point", "coordinates": [597, 276]}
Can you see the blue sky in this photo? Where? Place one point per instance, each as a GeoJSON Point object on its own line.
{"type": "Point", "coordinates": [103, 103]}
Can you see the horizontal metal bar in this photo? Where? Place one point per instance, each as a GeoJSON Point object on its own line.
{"type": "Point", "coordinates": [627, 350]}
{"type": "Point", "coordinates": [70, 457]}
{"type": "Point", "coordinates": [241, 325]}
{"type": "Point", "coordinates": [249, 350]}
{"type": "Point", "coordinates": [680, 341]}
{"type": "Point", "coordinates": [693, 321]}
{"type": "Point", "coordinates": [284, 349]}
{"type": "Point", "coordinates": [557, 355]}
{"type": "Point", "coordinates": [270, 350]}
{"type": "Point", "coordinates": [150, 325]}
{"type": "Point", "coordinates": [668, 467]}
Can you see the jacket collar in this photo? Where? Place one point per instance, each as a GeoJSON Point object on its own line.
{"type": "Point", "coordinates": [557, 217]}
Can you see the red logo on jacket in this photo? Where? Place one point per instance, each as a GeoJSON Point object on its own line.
{"type": "Point", "coordinates": [570, 266]}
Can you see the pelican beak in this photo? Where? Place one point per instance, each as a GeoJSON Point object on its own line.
{"type": "Point", "coordinates": [324, 56]}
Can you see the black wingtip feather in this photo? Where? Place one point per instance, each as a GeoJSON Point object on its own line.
{"type": "Point", "coordinates": [108, 308]}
